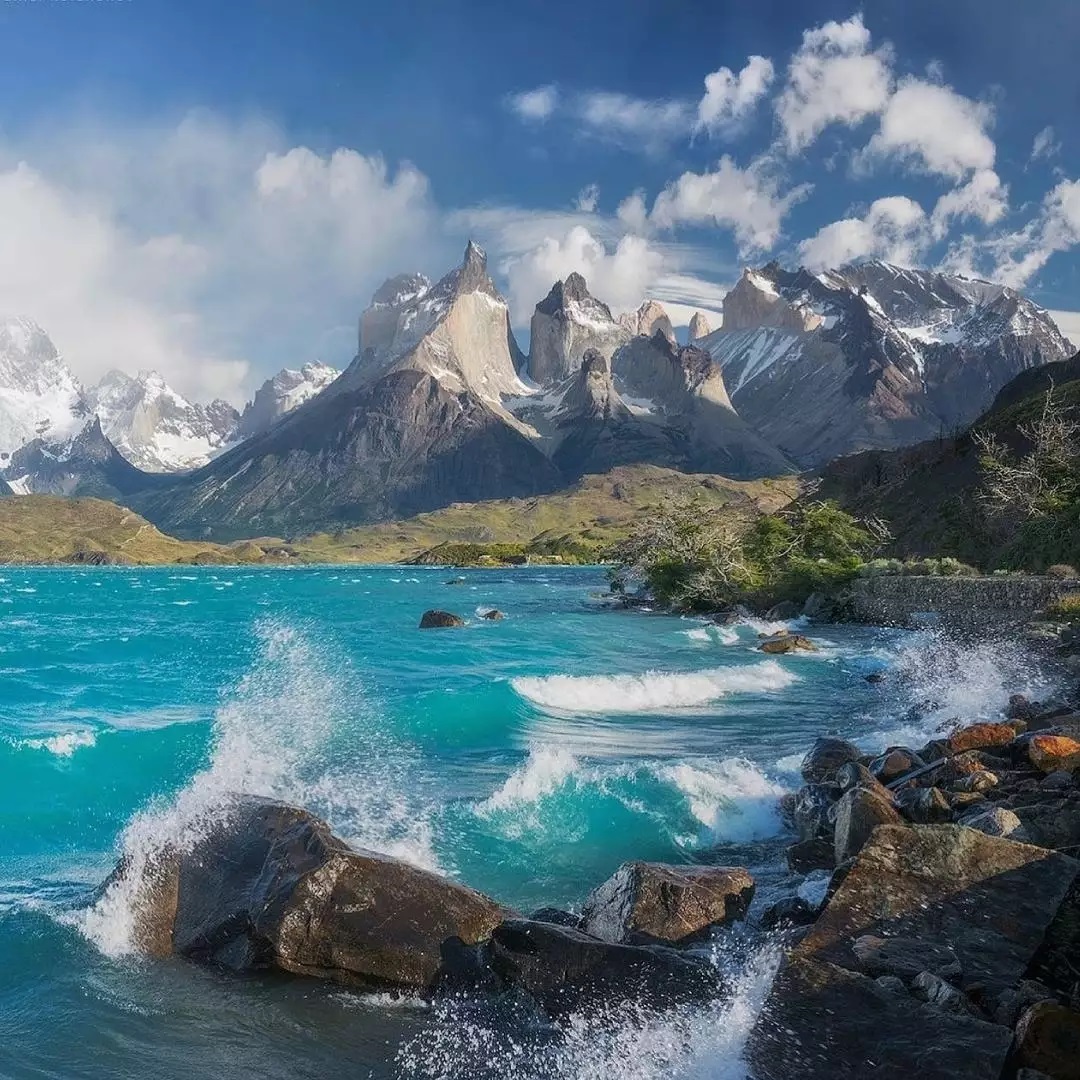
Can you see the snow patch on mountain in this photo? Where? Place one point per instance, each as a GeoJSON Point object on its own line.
{"type": "Point", "coordinates": [285, 391]}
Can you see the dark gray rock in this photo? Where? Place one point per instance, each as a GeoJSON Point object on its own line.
{"type": "Point", "coordinates": [934, 990]}
{"type": "Point", "coordinates": [810, 812]}
{"type": "Point", "coordinates": [855, 774]}
{"type": "Point", "coordinates": [924, 806]}
{"type": "Point", "coordinates": [894, 763]}
{"type": "Point", "coordinates": [904, 957]}
{"type": "Point", "coordinates": [556, 916]}
{"type": "Point", "coordinates": [821, 1022]}
{"type": "Point", "coordinates": [790, 911]}
{"type": "Point", "coordinates": [808, 855]}
{"type": "Point", "coordinates": [858, 813]}
{"type": "Point", "coordinates": [825, 757]}
{"type": "Point", "coordinates": [566, 970]}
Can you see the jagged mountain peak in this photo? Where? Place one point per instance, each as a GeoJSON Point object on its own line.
{"type": "Point", "coordinates": [281, 393]}
{"type": "Point", "coordinates": [649, 317]}
{"type": "Point", "coordinates": [699, 327]}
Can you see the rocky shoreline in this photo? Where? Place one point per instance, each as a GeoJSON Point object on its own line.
{"type": "Point", "coordinates": [947, 940]}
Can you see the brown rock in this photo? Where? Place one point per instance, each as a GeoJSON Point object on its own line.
{"type": "Point", "coordinates": [1051, 753]}
{"type": "Point", "coordinates": [787, 643]}
{"type": "Point", "coordinates": [980, 737]}
{"type": "Point", "coordinates": [1048, 1039]}
{"type": "Point", "coordinates": [989, 899]}
{"type": "Point", "coordinates": [434, 620]}
{"type": "Point", "coordinates": [858, 813]}
{"type": "Point", "coordinates": [894, 763]}
{"type": "Point", "coordinates": [904, 957]}
{"type": "Point", "coordinates": [671, 905]}
{"type": "Point", "coordinates": [272, 887]}
{"type": "Point", "coordinates": [494, 615]}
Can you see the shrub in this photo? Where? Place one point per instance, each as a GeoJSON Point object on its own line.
{"type": "Point", "coordinates": [1065, 607]}
{"type": "Point", "coordinates": [1062, 571]}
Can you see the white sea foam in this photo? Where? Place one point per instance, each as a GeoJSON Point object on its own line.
{"type": "Point", "coordinates": [63, 745]}
{"type": "Point", "coordinates": [733, 800]}
{"type": "Point", "coordinates": [651, 692]}
{"type": "Point", "coordinates": [622, 1043]}
{"type": "Point", "coordinates": [273, 737]}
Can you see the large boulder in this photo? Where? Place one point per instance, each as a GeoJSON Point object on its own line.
{"type": "Point", "coordinates": [980, 737]}
{"type": "Point", "coordinates": [269, 886]}
{"type": "Point", "coordinates": [435, 620]}
{"type": "Point", "coordinates": [925, 806]}
{"type": "Point", "coordinates": [825, 757]}
{"type": "Point", "coordinates": [672, 905]}
{"type": "Point", "coordinates": [566, 970]}
{"type": "Point", "coordinates": [858, 813]}
{"type": "Point", "coordinates": [821, 1022]}
{"type": "Point", "coordinates": [1048, 1039]}
{"type": "Point", "coordinates": [1052, 753]}
{"type": "Point", "coordinates": [894, 763]}
{"type": "Point", "coordinates": [988, 899]}
{"type": "Point", "coordinates": [811, 811]}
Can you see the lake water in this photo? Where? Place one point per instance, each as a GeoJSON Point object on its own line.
{"type": "Point", "coordinates": [527, 758]}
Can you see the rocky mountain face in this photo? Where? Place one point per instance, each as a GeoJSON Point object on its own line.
{"type": "Point", "coordinates": [417, 421]}
{"type": "Point", "coordinates": [285, 391]}
{"type": "Point", "coordinates": [568, 322]}
{"type": "Point", "coordinates": [871, 355]}
{"type": "Point", "coordinates": [156, 428]}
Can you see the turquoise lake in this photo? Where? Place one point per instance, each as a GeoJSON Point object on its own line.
{"type": "Point", "coordinates": [527, 758]}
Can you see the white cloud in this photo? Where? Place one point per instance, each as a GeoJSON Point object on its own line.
{"type": "Point", "coordinates": [633, 213]}
{"type": "Point", "coordinates": [1045, 145]}
{"type": "Point", "coordinates": [941, 130]}
{"type": "Point", "coordinates": [1068, 322]}
{"type": "Point", "coordinates": [983, 198]}
{"type": "Point", "coordinates": [210, 251]}
{"type": "Point", "coordinates": [729, 98]}
{"type": "Point", "coordinates": [636, 123]}
{"type": "Point", "coordinates": [588, 198]}
{"type": "Point", "coordinates": [620, 276]}
{"type": "Point", "coordinates": [534, 105]}
{"type": "Point", "coordinates": [893, 229]}
{"type": "Point", "coordinates": [834, 78]}
{"type": "Point", "coordinates": [748, 201]}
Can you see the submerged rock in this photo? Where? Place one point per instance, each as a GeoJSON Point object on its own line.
{"type": "Point", "coordinates": [270, 886]}
{"type": "Point", "coordinates": [433, 620]}
{"type": "Point", "coordinates": [494, 615]}
{"type": "Point", "coordinates": [667, 904]}
{"type": "Point", "coordinates": [787, 643]}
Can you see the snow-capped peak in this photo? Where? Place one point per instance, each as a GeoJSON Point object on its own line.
{"type": "Point", "coordinates": [282, 393]}
{"type": "Point", "coordinates": [157, 428]}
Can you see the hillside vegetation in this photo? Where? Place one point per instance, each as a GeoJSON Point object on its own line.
{"type": "Point", "coordinates": [577, 524]}
{"type": "Point", "coordinates": [1003, 495]}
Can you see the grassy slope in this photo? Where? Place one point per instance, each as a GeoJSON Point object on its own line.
{"type": "Point", "coordinates": [599, 509]}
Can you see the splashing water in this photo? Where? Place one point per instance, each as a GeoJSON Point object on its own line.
{"type": "Point", "coordinates": [272, 738]}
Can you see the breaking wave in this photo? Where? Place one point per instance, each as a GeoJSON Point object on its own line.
{"type": "Point", "coordinates": [62, 745]}
{"type": "Point", "coordinates": [653, 691]}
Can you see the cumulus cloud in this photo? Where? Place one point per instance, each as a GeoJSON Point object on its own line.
{"type": "Point", "coordinates": [729, 98]}
{"type": "Point", "coordinates": [894, 229]}
{"type": "Point", "coordinates": [747, 201]}
{"type": "Point", "coordinates": [983, 198]}
{"type": "Point", "coordinates": [620, 275]}
{"type": "Point", "coordinates": [834, 78]}
{"type": "Point", "coordinates": [633, 213]}
{"type": "Point", "coordinates": [940, 130]}
{"type": "Point", "coordinates": [588, 198]}
{"type": "Point", "coordinates": [534, 105]}
{"type": "Point", "coordinates": [210, 251]}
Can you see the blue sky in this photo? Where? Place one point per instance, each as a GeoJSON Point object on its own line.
{"type": "Point", "coordinates": [215, 189]}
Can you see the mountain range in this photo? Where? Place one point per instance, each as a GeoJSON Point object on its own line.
{"type": "Point", "coordinates": [440, 405]}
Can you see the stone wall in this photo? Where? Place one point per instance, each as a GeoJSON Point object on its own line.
{"type": "Point", "coordinates": [955, 602]}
